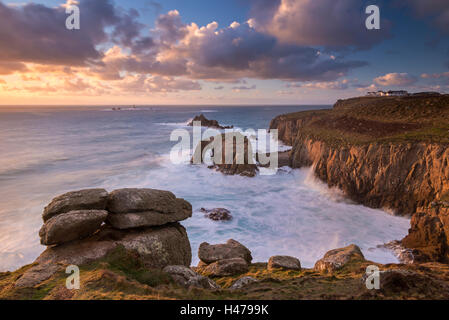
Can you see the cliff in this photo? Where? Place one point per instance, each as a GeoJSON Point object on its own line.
{"type": "Point", "coordinates": [389, 153]}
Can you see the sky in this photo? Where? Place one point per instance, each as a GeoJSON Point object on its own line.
{"type": "Point", "coordinates": [258, 52]}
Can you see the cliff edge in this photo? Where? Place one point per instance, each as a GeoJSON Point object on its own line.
{"type": "Point", "coordinates": [383, 152]}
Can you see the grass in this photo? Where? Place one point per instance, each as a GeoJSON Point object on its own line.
{"type": "Point", "coordinates": [121, 275]}
{"type": "Point", "coordinates": [367, 120]}
{"type": "Point", "coordinates": [129, 264]}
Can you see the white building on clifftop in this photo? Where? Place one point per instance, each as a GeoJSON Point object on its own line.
{"type": "Point", "coordinates": [380, 93]}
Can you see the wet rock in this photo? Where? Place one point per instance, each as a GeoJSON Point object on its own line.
{"type": "Point", "coordinates": [141, 200]}
{"type": "Point", "coordinates": [336, 259]}
{"type": "Point", "coordinates": [230, 250]}
{"type": "Point", "coordinates": [242, 282]}
{"type": "Point", "coordinates": [429, 234]}
{"type": "Point", "coordinates": [134, 208]}
{"type": "Point", "coordinates": [217, 214]}
{"type": "Point", "coordinates": [404, 255]}
{"type": "Point", "coordinates": [225, 267]}
{"type": "Point", "coordinates": [284, 159]}
{"type": "Point", "coordinates": [208, 123]}
{"type": "Point", "coordinates": [284, 262]}
{"type": "Point", "coordinates": [89, 199]}
{"type": "Point", "coordinates": [237, 157]}
{"type": "Point", "coordinates": [73, 225]}
{"type": "Point", "coordinates": [186, 277]}
{"type": "Point", "coordinates": [158, 247]}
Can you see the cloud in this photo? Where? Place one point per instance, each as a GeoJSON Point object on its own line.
{"type": "Point", "coordinates": [115, 51]}
{"type": "Point", "coordinates": [9, 67]}
{"type": "Point", "coordinates": [170, 27]}
{"type": "Point", "coordinates": [240, 51]}
{"type": "Point", "coordinates": [317, 23]}
{"type": "Point", "coordinates": [435, 10]}
{"type": "Point", "coordinates": [240, 88]}
{"type": "Point", "coordinates": [36, 33]}
{"type": "Point", "coordinates": [395, 79]}
{"type": "Point", "coordinates": [330, 85]}
{"type": "Point", "coordinates": [439, 79]}
{"type": "Point", "coordinates": [148, 84]}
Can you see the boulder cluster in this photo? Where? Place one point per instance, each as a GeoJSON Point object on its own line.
{"type": "Point", "coordinates": [84, 226]}
{"type": "Point", "coordinates": [79, 214]}
{"type": "Point", "coordinates": [225, 259]}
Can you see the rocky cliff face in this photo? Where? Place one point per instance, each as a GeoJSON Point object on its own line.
{"type": "Point", "coordinates": [401, 177]}
{"type": "Point", "coordinates": [400, 165]}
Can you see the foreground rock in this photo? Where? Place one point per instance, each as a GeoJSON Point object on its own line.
{"type": "Point", "coordinates": [225, 267]}
{"type": "Point", "coordinates": [208, 123]}
{"type": "Point", "coordinates": [242, 282]}
{"type": "Point", "coordinates": [284, 262]}
{"type": "Point", "coordinates": [429, 233]}
{"type": "Point", "coordinates": [408, 283]}
{"type": "Point", "coordinates": [230, 250]}
{"type": "Point", "coordinates": [158, 247]}
{"type": "Point", "coordinates": [237, 157]}
{"type": "Point", "coordinates": [89, 199]}
{"type": "Point", "coordinates": [186, 277]}
{"type": "Point", "coordinates": [73, 225]}
{"type": "Point", "coordinates": [338, 258]}
{"type": "Point", "coordinates": [134, 208]}
{"type": "Point", "coordinates": [217, 214]}
{"type": "Point", "coordinates": [221, 260]}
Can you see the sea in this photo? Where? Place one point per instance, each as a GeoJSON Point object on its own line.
{"type": "Point", "coordinates": [46, 151]}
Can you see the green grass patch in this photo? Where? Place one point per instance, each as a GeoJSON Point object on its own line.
{"type": "Point", "coordinates": [130, 264]}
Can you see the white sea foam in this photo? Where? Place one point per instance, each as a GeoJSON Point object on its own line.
{"type": "Point", "coordinates": [288, 213]}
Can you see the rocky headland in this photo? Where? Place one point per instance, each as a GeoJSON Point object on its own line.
{"type": "Point", "coordinates": [208, 123]}
{"type": "Point", "coordinates": [383, 152]}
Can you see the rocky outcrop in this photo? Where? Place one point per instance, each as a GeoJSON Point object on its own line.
{"type": "Point", "coordinates": [226, 259]}
{"type": "Point", "coordinates": [217, 214]}
{"type": "Point", "coordinates": [134, 208]}
{"type": "Point", "coordinates": [89, 199]}
{"type": "Point", "coordinates": [231, 249]}
{"type": "Point", "coordinates": [338, 258]}
{"type": "Point", "coordinates": [186, 277]}
{"type": "Point", "coordinates": [225, 267]}
{"type": "Point", "coordinates": [429, 233]}
{"type": "Point", "coordinates": [79, 236]}
{"type": "Point", "coordinates": [73, 225]}
{"type": "Point", "coordinates": [208, 123]}
{"type": "Point", "coordinates": [284, 262]}
{"type": "Point", "coordinates": [237, 157]}
{"type": "Point", "coordinates": [157, 247]}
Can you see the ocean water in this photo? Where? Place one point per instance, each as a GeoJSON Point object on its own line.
{"type": "Point", "coordinates": [46, 151]}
